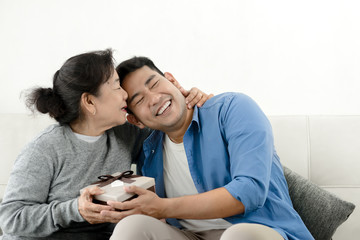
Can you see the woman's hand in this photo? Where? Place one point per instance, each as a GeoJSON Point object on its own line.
{"type": "Point", "coordinates": [193, 97]}
{"type": "Point", "coordinates": [196, 97]}
{"type": "Point", "coordinates": [91, 211]}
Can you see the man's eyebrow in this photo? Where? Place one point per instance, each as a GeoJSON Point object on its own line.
{"type": "Point", "coordinates": [146, 83]}
{"type": "Point", "coordinates": [149, 79]}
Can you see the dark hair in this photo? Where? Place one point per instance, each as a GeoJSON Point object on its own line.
{"type": "Point", "coordinates": [133, 64]}
{"type": "Point", "coordinates": [79, 74]}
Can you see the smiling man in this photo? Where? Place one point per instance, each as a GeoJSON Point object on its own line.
{"type": "Point", "coordinates": [216, 170]}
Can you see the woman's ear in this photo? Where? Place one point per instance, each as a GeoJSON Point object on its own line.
{"type": "Point", "coordinates": [133, 120]}
{"type": "Point", "coordinates": [87, 103]}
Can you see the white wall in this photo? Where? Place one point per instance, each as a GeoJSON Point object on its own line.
{"type": "Point", "coordinates": [292, 57]}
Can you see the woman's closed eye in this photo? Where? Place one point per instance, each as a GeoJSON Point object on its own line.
{"type": "Point", "coordinates": [117, 83]}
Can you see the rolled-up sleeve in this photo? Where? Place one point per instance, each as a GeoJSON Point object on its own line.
{"type": "Point", "coordinates": [250, 145]}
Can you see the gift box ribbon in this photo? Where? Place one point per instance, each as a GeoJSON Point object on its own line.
{"type": "Point", "coordinates": [124, 177]}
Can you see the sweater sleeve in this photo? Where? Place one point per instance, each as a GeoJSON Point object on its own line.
{"type": "Point", "coordinates": [25, 210]}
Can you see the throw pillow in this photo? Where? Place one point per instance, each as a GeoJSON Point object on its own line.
{"type": "Point", "coordinates": [321, 211]}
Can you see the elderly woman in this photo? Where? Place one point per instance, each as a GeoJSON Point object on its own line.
{"type": "Point", "coordinates": [42, 197]}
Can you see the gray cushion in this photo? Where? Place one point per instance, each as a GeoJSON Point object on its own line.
{"type": "Point", "coordinates": [321, 211]}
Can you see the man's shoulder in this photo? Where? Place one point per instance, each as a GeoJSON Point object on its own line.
{"type": "Point", "coordinates": [226, 98]}
{"type": "Point", "coordinates": [227, 106]}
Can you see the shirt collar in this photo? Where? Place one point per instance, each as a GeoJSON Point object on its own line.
{"type": "Point", "coordinates": [195, 119]}
{"type": "Point", "coordinates": [151, 142]}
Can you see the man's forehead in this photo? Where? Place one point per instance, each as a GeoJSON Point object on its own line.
{"type": "Point", "coordinates": [140, 76]}
{"type": "Point", "coordinates": [134, 82]}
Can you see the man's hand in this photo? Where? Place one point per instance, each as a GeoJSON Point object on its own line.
{"type": "Point", "coordinates": [198, 206]}
{"type": "Point", "coordinates": [91, 211]}
{"type": "Point", "coordinates": [147, 203]}
{"type": "Point", "coordinates": [193, 97]}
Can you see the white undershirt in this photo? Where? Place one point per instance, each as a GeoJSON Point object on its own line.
{"type": "Point", "coordinates": [87, 138]}
{"type": "Point", "coordinates": [178, 182]}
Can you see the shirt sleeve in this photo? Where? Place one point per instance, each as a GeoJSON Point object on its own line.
{"type": "Point", "coordinates": [250, 145]}
{"type": "Point", "coordinates": [25, 210]}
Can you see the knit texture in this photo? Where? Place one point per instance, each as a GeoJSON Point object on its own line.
{"type": "Point", "coordinates": [42, 192]}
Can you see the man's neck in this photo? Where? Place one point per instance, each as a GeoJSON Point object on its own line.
{"type": "Point", "coordinates": [177, 135]}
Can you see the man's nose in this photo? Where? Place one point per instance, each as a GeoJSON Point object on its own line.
{"type": "Point", "coordinates": [154, 98]}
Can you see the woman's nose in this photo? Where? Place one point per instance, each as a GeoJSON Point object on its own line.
{"type": "Point", "coordinates": [125, 94]}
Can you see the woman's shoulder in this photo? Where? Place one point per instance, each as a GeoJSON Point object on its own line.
{"type": "Point", "coordinates": [53, 134]}
{"type": "Point", "coordinates": [45, 145]}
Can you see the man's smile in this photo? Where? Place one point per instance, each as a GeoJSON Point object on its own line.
{"type": "Point", "coordinates": [163, 108]}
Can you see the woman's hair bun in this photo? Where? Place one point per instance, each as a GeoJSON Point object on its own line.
{"type": "Point", "coordinates": [45, 100]}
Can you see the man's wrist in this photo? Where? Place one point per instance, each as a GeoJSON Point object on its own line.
{"type": "Point", "coordinates": [168, 210]}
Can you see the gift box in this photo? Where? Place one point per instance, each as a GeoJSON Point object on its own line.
{"type": "Point", "coordinates": [113, 186]}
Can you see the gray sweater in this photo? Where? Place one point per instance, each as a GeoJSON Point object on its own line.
{"type": "Point", "coordinates": [41, 196]}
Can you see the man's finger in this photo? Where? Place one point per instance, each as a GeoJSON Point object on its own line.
{"type": "Point", "coordinates": [116, 205]}
{"type": "Point", "coordinates": [184, 92]}
{"type": "Point", "coordinates": [127, 205]}
{"type": "Point", "coordinates": [135, 189]}
{"type": "Point", "coordinates": [98, 207]}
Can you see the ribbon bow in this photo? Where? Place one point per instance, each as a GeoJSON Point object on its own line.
{"type": "Point", "coordinates": [108, 179]}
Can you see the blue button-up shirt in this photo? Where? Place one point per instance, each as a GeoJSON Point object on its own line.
{"type": "Point", "coordinates": [229, 143]}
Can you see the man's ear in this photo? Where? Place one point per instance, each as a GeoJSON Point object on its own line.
{"type": "Point", "coordinates": [87, 103]}
{"type": "Point", "coordinates": [133, 120]}
{"type": "Point", "coordinates": [172, 79]}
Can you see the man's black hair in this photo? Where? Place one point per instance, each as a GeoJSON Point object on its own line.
{"type": "Point", "coordinates": [133, 64]}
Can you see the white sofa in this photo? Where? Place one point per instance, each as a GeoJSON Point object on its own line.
{"type": "Point", "coordinates": [323, 149]}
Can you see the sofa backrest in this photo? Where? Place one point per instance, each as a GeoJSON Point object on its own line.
{"type": "Point", "coordinates": [323, 149]}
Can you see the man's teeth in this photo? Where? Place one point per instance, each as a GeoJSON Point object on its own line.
{"type": "Point", "coordinates": [163, 108]}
